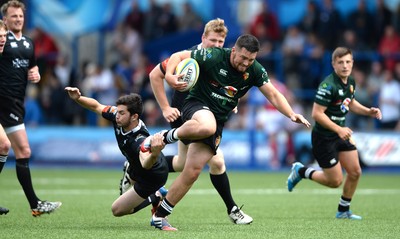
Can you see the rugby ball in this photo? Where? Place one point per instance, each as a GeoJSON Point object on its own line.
{"type": "Point", "coordinates": [190, 68]}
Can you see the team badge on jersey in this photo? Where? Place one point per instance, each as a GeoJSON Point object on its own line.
{"type": "Point", "coordinates": [229, 91]}
{"type": "Point", "coordinates": [245, 76]}
{"type": "Point", "coordinates": [345, 105]}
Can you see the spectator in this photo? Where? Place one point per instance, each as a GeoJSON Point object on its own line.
{"type": "Point", "coordinates": [389, 47]}
{"type": "Point", "coordinates": [360, 21]}
{"type": "Point", "coordinates": [135, 18]}
{"type": "Point", "coordinates": [189, 20]}
{"type": "Point", "coordinates": [151, 28]}
{"type": "Point", "coordinates": [330, 25]}
{"type": "Point", "coordinates": [126, 43]}
{"type": "Point", "coordinates": [46, 49]}
{"type": "Point", "coordinates": [33, 111]}
{"type": "Point", "coordinates": [311, 63]}
{"type": "Point", "coordinates": [167, 21]}
{"type": "Point", "coordinates": [374, 80]}
{"type": "Point", "coordinates": [382, 18]}
{"type": "Point", "coordinates": [268, 22]}
{"type": "Point", "coordinates": [389, 101]}
{"type": "Point", "coordinates": [292, 48]}
{"type": "Point", "coordinates": [310, 20]}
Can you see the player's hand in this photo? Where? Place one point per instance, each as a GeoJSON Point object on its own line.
{"type": "Point", "coordinates": [157, 143]}
{"type": "Point", "coordinates": [375, 112]}
{"type": "Point", "coordinates": [73, 92]}
{"type": "Point", "coordinates": [345, 133]}
{"type": "Point", "coordinates": [174, 81]}
{"type": "Point", "coordinates": [298, 118]}
{"type": "Point", "coordinates": [33, 74]}
{"type": "Point", "coordinates": [171, 114]}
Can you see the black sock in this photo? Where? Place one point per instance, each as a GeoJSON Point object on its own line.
{"type": "Point", "coordinates": [164, 209]}
{"type": "Point", "coordinates": [169, 136]}
{"type": "Point", "coordinates": [169, 160]}
{"type": "Point", "coordinates": [306, 172]}
{"type": "Point", "coordinates": [24, 178]}
{"type": "Point", "coordinates": [152, 199]}
{"type": "Point", "coordinates": [221, 184]}
{"type": "Point", "coordinates": [3, 159]}
{"type": "Point", "coordinates": [344, 204]}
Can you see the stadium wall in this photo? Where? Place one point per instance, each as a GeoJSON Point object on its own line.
{"type": "Point", "coordinates": [243, 150]}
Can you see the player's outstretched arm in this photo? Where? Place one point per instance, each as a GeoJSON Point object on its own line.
{"type": "Point", "coordinates": [157, 84]}
{"type": "Point", "coordinates": [86, 102]}
{"type": "Point", "coordinates": [280, 103]}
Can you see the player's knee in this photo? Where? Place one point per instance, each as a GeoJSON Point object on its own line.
{"type": "Point", "coordinates": [217, 165]}
{"type": "Point", "coordinates": [335, 183]}
{"type": "Point", "coordinates": [354, 174]}
{"type": "Point", "coordinates": [5, 147]}
{"type": "Point", "coordinates": [116, 211]}
{"type": "Point", "coordinates": [193, 174]}
{"type": "Point", "coordinates": [206, 131]}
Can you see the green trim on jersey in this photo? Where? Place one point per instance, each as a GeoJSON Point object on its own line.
{"type": "Point", "coordinates": [336, 96]}
{"type": "Point", "coordinates": [219, 85]}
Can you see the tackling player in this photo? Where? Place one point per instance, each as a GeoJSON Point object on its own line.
{"type": "Point", "coordinates": [148, 170]}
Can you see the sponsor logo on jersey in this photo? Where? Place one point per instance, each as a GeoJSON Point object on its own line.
{"type": "Point", "coordinates": [14, 117]}
{"type": "Point", "coordinates": [223, 72]}
{"type": "Point", "coordinates": [20, 63]}
{"type": "Point", "coordinates": [340, 91]}
{"type": "Point", "coordinates": [13, 45]}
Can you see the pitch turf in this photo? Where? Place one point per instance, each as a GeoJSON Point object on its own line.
{"type": "Point", "coordinates": [307, 212]}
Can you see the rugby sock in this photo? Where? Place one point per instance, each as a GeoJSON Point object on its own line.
{"type": "Point", "coordinates": [171, 136]}
{"type": "Point", "coordinates": [170, 159]}
{"type": "Point", "coordinates": [152, 199]}
{"type": "Point", "coordinates": [306, 172]}
{"type": "Point", "coordinates": [221, 184]}
{"type": "Point", "coordinates": [24, 178]}
{"type": "Point", "coordinates": [344, 204]}
{"type": "Point", "coordinates": [3, 159]}
{"type": "Point", "coordinates": [164, 209]}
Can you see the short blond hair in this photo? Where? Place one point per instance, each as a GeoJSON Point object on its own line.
{"type": "Point", "coordinates": [12, 3]}
{"type": "Point", "coordinates": [3, 25]}
{"type": "Point", "coordinates": [216, 25]}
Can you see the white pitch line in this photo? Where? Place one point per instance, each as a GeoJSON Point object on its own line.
{"type": "Point", "coordinates": [205, 192]}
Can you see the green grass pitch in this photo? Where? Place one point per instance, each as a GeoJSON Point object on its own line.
{"type": "Point", "coordinates": [307, 212]}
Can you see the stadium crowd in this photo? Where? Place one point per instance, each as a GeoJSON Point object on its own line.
{"type": "Point", "coordinates": [295, 57]}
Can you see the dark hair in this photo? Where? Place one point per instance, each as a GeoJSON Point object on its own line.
{"type": "Point", "coordinates": [249, 42]}
{"type": "Point", "coordinates": [12, 3]}
{"type": "Point", "coordinates": [133, 102]}
{"type": "Point", "coordinates": [340, 52]}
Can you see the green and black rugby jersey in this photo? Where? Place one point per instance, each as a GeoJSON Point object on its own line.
{"type": "Point", "coordinates": [219, 85]}
{"type": "Point", "coordinates": [336, 96]}
{"type": "Point", "coordinates": [17, 58]}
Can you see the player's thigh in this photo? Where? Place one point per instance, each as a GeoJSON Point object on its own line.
{"type": "Point", "coordinates": [334, 175]}
{"type": "Point", "coordinates": [127, 201]}
{"type": "Point", "coordinates": [198, 155]}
